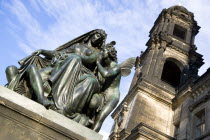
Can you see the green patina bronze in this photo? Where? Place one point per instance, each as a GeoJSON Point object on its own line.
{"type": "Point", "coordinates": [79, 79]}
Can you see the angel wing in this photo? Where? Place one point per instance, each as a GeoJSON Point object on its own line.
{"type": "Point", "coordinates": [127, 65]}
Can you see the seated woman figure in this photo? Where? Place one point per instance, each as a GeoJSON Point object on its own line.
{"type": "Point", "coordinates": [71, 75]}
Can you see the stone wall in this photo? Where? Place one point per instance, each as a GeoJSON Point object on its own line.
{"type": "Point", "coordinates": [22, 118]}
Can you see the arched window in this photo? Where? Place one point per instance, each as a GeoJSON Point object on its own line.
{"type": "Point", "coordinates": [171, 74]}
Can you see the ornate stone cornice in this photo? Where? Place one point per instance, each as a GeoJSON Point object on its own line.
{"type": "Point", "coordinates": [149, 132]}
{"type": "Point", "coordinates": [159, 87]}
{"type": "Point", "coordinates": [160, 40]}
{"type": "Point", "coordinates": [193, 90]}
{"type": "Point", "coordinates": [200, 101]}
{"type": "Point", "coordinates": [178, 49]}
{"type": "Point", "coordinates": [195, 57]}
{"type": "Point", "coordinates": [149, 90]}
{"type": "Point", "coordinates": [124, 134]}
{"type": "Point", "coordinates": [165, 40]}
{"type": "Point", "coordinates": [176, 13]}
{"type": "Point", "coordinates": [180, 98]}
{"type": "Point", "coordinates": [114, 136]}
{"type": "Point", "coordinates": [182, 13]}
{"type": "Point", "coordinates": [203, 136]}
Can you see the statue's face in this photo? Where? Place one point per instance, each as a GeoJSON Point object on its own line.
{"type": "Point", "coordinates": [96, 39]}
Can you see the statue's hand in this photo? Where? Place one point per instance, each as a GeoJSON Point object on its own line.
{"type": "Point", "coordinates": [38, 52]}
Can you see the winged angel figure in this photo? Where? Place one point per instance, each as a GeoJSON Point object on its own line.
{"type": "Point", "coordinates": [104, 102]}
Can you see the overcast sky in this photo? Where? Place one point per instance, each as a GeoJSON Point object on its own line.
{"type": "Point", "coordinates": [28, 25]}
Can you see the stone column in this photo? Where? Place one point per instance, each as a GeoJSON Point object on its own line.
{"type": "Point", "coordinates": [188, 35]}
{"type": "Point", "coordinates": [137, 73]}
{"type": "Point", "coordinates": [159, 63]}
{"type": "Point", "coordinates": [146, 63]}
{"type": "Point", "coordinates": [154, 59]}
{"type": "Point", "coordinates": [114, 131]}
{"type": "Point", "coordinates": [161, 25]}
{"type": "Point", "coordinates": [124, 115]}
{"type": "Point", "coordinates": [184, 131]}
{"type": "Point", "coordinates": [192, 37]}
{"type": "Point", "coordinates": [171, 27]}
{"type": "Point", "coordinates": [115, 127]}
{"type": "Point", "coordinates": [166, 23]}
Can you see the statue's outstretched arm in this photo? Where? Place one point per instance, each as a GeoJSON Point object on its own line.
{"type": "Point", "coordinates": [47, 53]}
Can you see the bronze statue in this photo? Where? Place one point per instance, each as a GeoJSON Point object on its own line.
{"type": "Point", "coordinates": [108, 99]}
{"type": "Point", "coordinates": [73, 79]}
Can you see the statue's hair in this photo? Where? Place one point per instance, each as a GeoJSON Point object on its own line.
{"type": "Point", "coordinates": [99, 31]}
{"type": "Point", "coordinates": [112, 51]}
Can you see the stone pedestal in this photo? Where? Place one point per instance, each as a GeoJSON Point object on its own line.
{"type": "Point", "coordinates": [22, 118]}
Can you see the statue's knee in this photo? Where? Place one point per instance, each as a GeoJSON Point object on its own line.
{"type": "Point", "coordinates": [31, 68]}
{"type": "Point", "coordinates": [11, 72]}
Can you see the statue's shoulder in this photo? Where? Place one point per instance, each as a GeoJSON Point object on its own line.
{"type": "Point", "coordinates": [81, 46]}
{"type": "Point", "coordinates": [116, 67]}
{"type": "Point", "coordinates": [115, 64]}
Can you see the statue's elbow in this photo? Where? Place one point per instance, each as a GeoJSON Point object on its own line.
{"type": "Point", "coordinates": [105, 74]}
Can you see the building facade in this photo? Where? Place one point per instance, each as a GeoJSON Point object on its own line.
{"type": "Point", "coordinates": [167, 99]}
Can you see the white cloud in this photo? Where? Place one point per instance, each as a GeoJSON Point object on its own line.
{"type": "Point", "coordinates": [126, 22]}
{"type": "Point", "coordinates": [25, 48]}
{"type": "Point", "coordinates": [23, 15]}
{"type": "Point", "coordinates": [35, 5]}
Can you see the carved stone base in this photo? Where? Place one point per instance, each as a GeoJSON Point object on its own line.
{"type": "Point", "coordinates": [22, 118]}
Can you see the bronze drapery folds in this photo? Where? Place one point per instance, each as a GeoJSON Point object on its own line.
{"type": "Point", "coordinates": [79, 79]}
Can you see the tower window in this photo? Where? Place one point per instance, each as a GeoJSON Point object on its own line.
{"type": "Point", "coordinates": [179, 32]}
{"type": "Point", "coordinates": [171, 74]}
{"type": "Point", "coordinates": [200, 123]}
